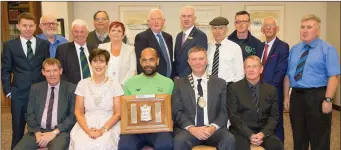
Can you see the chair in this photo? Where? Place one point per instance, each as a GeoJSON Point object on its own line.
{"type": "Point", "coordinates": [204, 147]}
{"type": "Point", "coordinates": [42, 148]}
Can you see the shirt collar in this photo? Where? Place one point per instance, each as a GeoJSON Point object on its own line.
{"type": "Point", "coordinates": [56, 87]}
{"type": "Point", "coordinates": [195, 78]}
{"type": "Point", "coordinates": [56, 38]}
{"type": "Point", "coordinates": [79, 46]}
{"type": "Point", "coordinates": [33, 39]}
{"type": "Point", "coordinates": [105, 35]}
{"type": "Point", "coordinates": [223, 42]}
{"type": "Point", "coordinates": [251, 85]}
{"type": "Point", "coordinates": [313, 43]}
{"type": "Point", "coordinates": [157, 33]}
{"type": "Point", "coordinates": [271, 42]}
{"type": "Point", "coordinates": [188, 31]}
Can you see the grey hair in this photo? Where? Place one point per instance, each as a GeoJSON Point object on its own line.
{"type": "Point", "coordinates": [270, 17]}
{"type": "Point", "coordinates": [155, 9]}
{"type": "Point", "coordinates": [79, 22]}
{"type": "Point", "coordinates": [42, 17]}
{"type": "Point", "coordinates": [188, 7]}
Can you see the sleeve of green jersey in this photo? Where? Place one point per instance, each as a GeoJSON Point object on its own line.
{"type": "Point", "coordinates": [171, 87]}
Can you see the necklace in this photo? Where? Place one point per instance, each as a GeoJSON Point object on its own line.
{"type": "Point", "coordinates": [105, 79]}
{"type": "Point", "coordinates": [98, 91]}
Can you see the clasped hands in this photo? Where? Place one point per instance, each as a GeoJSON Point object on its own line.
{"type": "Point", "coordinates": [203, 132]}
{"type": "Point", "coordinates": [257, 139]}
{"type": "Point", "coordinates": [95, 133]}
{"type": "Point", "coordinates": [42, 139]}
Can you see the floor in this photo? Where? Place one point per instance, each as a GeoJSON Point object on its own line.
{"type": "Point", "coordinates": [6, 131]}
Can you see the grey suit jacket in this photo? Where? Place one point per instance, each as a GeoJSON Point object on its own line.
{"type": "Point", "coordinates": [66, 106]}
{"type": "Point", "coordinates": [184, 102]}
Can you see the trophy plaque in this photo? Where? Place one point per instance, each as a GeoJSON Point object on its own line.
{"type": "Point", "coordinates": [146, 114]}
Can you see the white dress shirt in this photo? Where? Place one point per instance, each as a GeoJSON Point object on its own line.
{"type": "Point", "coordinates": [204, 84]}
{"type": "Point", "coordinates": [230, 60]}
{"type": "Point", "coordinates": [86, 51]}
{"type": "Point", "coordinates": [24, 45]}
{"type": "Point", "coordinates": [269, 48]}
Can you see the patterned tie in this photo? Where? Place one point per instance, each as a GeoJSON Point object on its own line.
{"type": "Point", "coordinates": [165, 54]}
{"type": "Point", "coordinates": [300, 66]}
{"type": "Point", "coordinates": [215, 67]}
{"type": "Point", "coordinates": [200, 110]}
{"type": "Point", "coordinates": [265, 55]}
{"type": "Point", "coordinates": [255, 99]}
{"type": "Point", "coordinates": [183, 39]}
{"type": "Point", "coordinates": [49, 110]}
{"type": "Point", "coordinates": [84, 63]}
{"type": "Point", "coordinates": [29, 52]}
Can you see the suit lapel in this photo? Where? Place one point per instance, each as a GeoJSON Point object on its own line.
{"type": "Point", "coordinates": [272, 50]}
{"type": "Point", "coordinates": [43, 95]}
{"type": "Point", "coordinates": [21, 49]}
{"type": "Point", "coordinates": [191, 92]}
{"type": "Point", "coordinates": [61, 100]}
{"type": "Point", "coordinates": [191, 34]}
{"type": "Point", "coordinates": [248, 94]}
{"type": "Point", "coordinates": [72, 55]}
{"type": "Point", "coordinates": [262, 94]}
{"type": "Point", "coordinates": [210, 91]}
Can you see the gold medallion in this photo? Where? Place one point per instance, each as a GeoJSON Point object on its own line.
{"type": "Point", "coordinates": [202, 102]}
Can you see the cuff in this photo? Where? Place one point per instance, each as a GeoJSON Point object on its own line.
{"type": "Point", "coordinates": [8, 95]}
{"type": "Point", "coordinates": [215, 125]}
{"type": "Point", "coordinates": [186, 128]}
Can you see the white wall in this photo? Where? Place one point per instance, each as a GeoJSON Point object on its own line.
{"type": "Point", "coordinates": [293, 13]}
{"type": "Point", "coordinates": [333, 34]}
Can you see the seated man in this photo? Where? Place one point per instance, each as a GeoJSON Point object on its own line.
{"type": "Point", "coordinates": [199, 107]}
{"type": "Point", "coordinates": [148, 82]}
{"type": "Point", "coordinates": [50, 111]}
{"type": "Point", "coordinates": [253, 109]}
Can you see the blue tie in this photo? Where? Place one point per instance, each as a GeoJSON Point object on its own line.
{"type": "Point", "coordinates": [200, 110]}
{"type": "Point", "coordinates": [255, 99]}
{"type": "Point", "coordinates": [84, 63]}
{"type": "Point", "coordinates": [165, 54]}
{"type": "Point", "coordinates": [301, 63]}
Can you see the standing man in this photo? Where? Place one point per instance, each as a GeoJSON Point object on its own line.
{"type": "Point", "coordinates": [249, 44]}
{"type": "Point", "coordinates": [199, 107]}
{"type": "Point", "coordinates": [225, 58]}
{"type": "Point", "coordinates": [50, 112]}
{"type": "Point", "coordinates": [253, 109]}
{"type": "Point", "coordinates": [101, 33]}
{"type": "Point", "coordinates": [275, 62]}
{"type": "Point", "coordinates": [22, 57]}
{"type": "Point", "coordinates": [148, 82]}
{"type": "Point", "coordinates": [48, 24]}
{"type": "Point", "coordinates": [313, 74]}
{"type": "Point", "coordinates": [74, 56]}
{"type": "Point", "coordinates": [161, 41]}
{"type": "Point", "coordinates": [185, 40]}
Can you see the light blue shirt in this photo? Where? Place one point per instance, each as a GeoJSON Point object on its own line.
{"type": "Point", "coordinates": [58, 40]}
{"type": "Point", "coordinates": [322, 62]}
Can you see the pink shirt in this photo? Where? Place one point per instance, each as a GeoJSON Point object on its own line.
{"type": "Point", "coordinates": [55, 106]}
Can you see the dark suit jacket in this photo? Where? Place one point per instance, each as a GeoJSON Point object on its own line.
{"type": "Point", "coordinates": [243, 114]}
{"type": "Point", "coordinates": [66, 106]}
{"type": "Point", "coordinates": [147, 39]}
{"type": "Point", "coordinates": [276, 64]}
{"type": "Point", "coordinates": [184, 102]}
{"type": "Point", "coordinates": [67, 55]}
{"type": "Point", "coordinates": [93, 39]}
{"type": "Point", "coordinates": [15, 61]}
{"type": "Point", "coordinates": [181, 67]}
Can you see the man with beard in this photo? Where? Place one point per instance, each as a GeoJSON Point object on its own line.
{"type": "Point", "coordinates": [48, 24]}
{"type": "Point", "coordinates": [148, 82]}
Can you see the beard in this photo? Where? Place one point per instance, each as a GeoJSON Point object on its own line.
{"type": "Point", "coordinates": [150, 72]}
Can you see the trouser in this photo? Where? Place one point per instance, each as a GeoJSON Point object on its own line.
{"type": "Point", "coordinates": [18, 110]}
{"type": "Point", "coordinates": [159, 141]}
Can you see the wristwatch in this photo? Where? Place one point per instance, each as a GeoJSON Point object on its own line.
{"type": "Point", "coordinates": [328, 99]}
{"type": "Point", "coordinates": [55, 132]}
{"type": "Point", "coordinates": [105, 129]}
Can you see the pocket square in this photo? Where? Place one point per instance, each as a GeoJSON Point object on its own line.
{"type": "Point", "coordinates": [274, 55]}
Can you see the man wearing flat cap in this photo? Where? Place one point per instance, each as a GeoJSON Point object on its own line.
{"type": "Point", "coordinates": [225, 58]}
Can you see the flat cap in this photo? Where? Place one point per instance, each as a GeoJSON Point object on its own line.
{"type": "Point", "coordinates": [219, 21]}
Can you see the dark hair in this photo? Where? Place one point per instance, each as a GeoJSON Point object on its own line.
{"type": "Point", "coordinates": [197, 49]}
{"type": "Point", "coordinates": [117, 24]}
{"type": "Point", "coordinates": [99, 12]}
{"type": "Point", "coordinates": [51, 61]}
{"type": "Point", "coordinates": [25, 15]}
{"type": "Point", "coordinates": [99, 52]}
{"type": "Point", "coordinates": [243, 12]}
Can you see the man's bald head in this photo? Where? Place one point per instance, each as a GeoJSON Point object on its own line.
{"type": "Point", "coordinates": [49, 26]}
{"type": "Point", "coordinates": [149, 61]}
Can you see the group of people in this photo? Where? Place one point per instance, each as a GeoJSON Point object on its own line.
{"type": "Point", "coordinates": [228, 94]}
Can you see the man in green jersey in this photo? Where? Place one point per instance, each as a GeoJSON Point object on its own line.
{"type": "Point", "coordinates": [148, 82]}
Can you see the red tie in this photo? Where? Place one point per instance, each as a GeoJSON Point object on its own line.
{"type": "Point", "coordinates": [265, 54]}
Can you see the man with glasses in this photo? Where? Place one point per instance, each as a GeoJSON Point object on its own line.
{"type": "Point", "coordinates": [249, 44]}
{"type": "Point", "coordinates": [275, 63]}
{"type": "Point", "coordinates": [49, 26]}
{"type": "Point", "coordinates": [101, 33]}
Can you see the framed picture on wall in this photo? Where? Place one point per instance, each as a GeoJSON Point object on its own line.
{"type": "Point", "coordinates": [258, 13]}
{"type": "Point", "coordinates": [61, 29]}
{"type": "Point", "coordinates": [13, 16]}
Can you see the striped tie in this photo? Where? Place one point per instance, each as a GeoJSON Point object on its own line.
{"type": "Point", "coordinates": [165, 54]}
{"type": "Point", "coordinates": [215, 67]}
{"type": "Point", "coordinates": [200, 110]}
{"type": "Point", "coordinates": [84, 63]}
{"type": "Point", "coordinates": [29, 52]}
{"type": "Point", "coordinates": [300, 66]}
{"type": "Point", "coordinates": [49, 110]}
{"type": "Point", "coordinates": [255, 99]}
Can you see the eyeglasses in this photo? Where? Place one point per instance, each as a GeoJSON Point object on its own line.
{"type": "Point", "coordinates": [268, 25]}
{"type": "Point", "coordinates": [101, 19]}
{"type": "Point", "coordinates": [241, 22]}
{"type": "Point", "coordinates": [156, 19]}
{"type": "Point", "coordinates": [50, 24]}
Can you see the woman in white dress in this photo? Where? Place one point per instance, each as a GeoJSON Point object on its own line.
{"type": "Point", "coordinates": [97, 108]}
{"type": "Point", "coordinates": [122, 63]}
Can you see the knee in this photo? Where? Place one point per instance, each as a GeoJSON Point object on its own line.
{"type": "Point", "coordinates": [228, 139]}
{"type": "Point", "coordinates": [166, 144]}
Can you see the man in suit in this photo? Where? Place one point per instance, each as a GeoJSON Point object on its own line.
{"type": "Point", "coordinates": [74, 56]}
{"type": "Point", "coordinates": [249, 44]}
{"type": "Point", "coordinates": [161, 41]}
{"type": "Point", "coordinates": [101, 33]}
{"type": "Point", "coordinates": [253, 109]}
{"type": "Point", "coordinates": [22, 57]}
{"type": "Point", "coordinates": [189, 36]}
{"type": "Point", "coordinates": [199, 107]}
{"type": "Point", "coordinates": [48, 24]}
{"type": "Point", "coordinates": [275, 62]}
{"type": "Point", "coordinates": [50, 112]}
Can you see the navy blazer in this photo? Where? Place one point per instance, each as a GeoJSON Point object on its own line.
{"type": "Point", "coordinates": [195, 38]}
{"type": "Point", "coordinates": [147, 39]}
{"type": "Point", "coordinates": [276, 64]}
{"type": "Point", "coordinates": [15, 61]}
